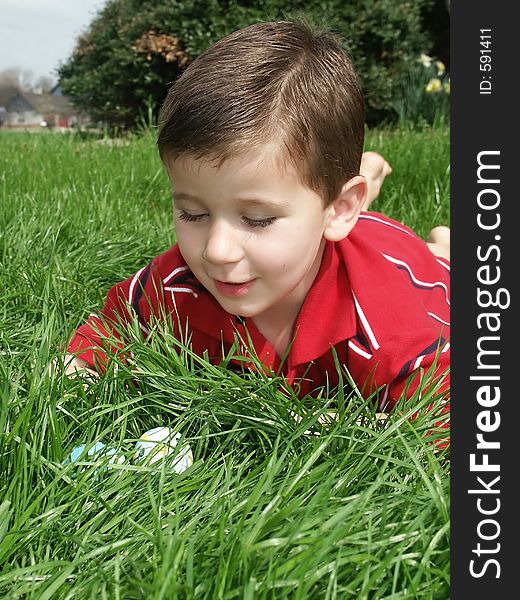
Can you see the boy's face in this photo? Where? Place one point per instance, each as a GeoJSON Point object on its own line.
{"type": "Point", "coordinates": [250, 232]}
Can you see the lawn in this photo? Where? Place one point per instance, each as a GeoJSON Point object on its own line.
{"type": "Point", "coordinates": [359, 511]}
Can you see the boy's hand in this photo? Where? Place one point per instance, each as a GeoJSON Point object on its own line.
{"type": "Point", "coordinates": [76, 366]}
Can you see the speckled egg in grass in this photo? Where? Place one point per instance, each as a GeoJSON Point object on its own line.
{"type": "Point", "coordinates": [159, 443]}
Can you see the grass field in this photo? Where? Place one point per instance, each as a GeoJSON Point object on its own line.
{"type": "Point", "coordinates": [266, 511]}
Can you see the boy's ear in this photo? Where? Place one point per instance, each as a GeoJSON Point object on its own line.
{"type": "Point", "coordinates": [343, 213]}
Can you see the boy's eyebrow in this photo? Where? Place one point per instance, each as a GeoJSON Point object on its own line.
{"type": "Point", "coordinates": [261, 202]}
{"type": "Point", "coordinates": [185, 196]}
{"type": "Point", "coordinates": [248, 202]}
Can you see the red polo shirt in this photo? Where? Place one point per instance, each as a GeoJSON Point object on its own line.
{"type": "Point", "coordinates": [380, 299]}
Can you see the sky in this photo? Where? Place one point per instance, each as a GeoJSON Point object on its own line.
{"type": "Point", "coordinates": [39, 34]}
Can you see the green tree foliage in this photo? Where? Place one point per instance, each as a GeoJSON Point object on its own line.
{"type": "Point", "coordinates": [133, 50]}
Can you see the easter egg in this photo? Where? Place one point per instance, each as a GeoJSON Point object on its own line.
{"type": "Point", "coordinates": [159, 443]}
{"type": "Point", "coordinates": [98, 451]}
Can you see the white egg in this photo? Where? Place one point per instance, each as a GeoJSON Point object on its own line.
{"type": "Point", "coordinates": [158, 443]}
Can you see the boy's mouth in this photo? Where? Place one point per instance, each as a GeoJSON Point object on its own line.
{"type": "Point", "coordinates": [231, 289]}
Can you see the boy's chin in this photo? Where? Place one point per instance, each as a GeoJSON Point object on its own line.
{"type": "Point", "coordinates": [240, 309]}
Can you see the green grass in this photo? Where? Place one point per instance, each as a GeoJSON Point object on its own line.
{"type": "Point", "coordinates": [267, 511]}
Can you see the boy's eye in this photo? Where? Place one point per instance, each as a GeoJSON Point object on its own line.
{"type": "Point", "coordinates": [191, 218]}
{"type": "Point", "coordinates": [253, 223]}
{"type": "Point", "coordinates": [259, 222]}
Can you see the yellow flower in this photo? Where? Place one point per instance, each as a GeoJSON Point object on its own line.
{"type": "Point", "coordinates": [446, 86]}
{"type": "Point", "coordinates": [441, 69]}
{"type": "Point", "coordinates": [425, 60]}
{"type": "Point", "coordinates": [433, 86]}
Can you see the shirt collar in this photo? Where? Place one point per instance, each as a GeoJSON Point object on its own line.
{"type": "Point", "coordinates": [328, 315]}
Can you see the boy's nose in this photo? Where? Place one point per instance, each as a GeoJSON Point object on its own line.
{"type": "Point", "coordinates": [222, 246]}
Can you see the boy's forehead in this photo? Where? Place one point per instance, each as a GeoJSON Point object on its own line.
{"type": "Point", "coordinates": [247, 167]}
{"type": "Point", "coordinates": [253, 178]}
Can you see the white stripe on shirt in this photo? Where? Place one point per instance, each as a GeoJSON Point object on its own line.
{"type": "Point", "coordinates": [373, 218]}
{"type": "Point", "coordinates": [133, 284]}
{"type": "Point", "coordinates": [181, 289]}
{"type": "Point", "coordinates": [359, 351]}
{"type": "Point", "coordinates": [364, 320]}
{"type": "Point", "coordinates": [437, 318]}
{"type": "Point", "coordinates": [418, 361]}
{"type": "Point", "coordinates": [174, 272]}
{"type": "Point", "coordinates": [419, 282]}
{"type": "Point", "coordinates": [441, 262]}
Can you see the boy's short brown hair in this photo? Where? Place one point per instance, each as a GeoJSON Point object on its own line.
{"type": "Point", "coordinates": [280, 82]}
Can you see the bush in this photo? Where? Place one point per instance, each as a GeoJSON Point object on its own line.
{"type": "Point", "coordinates": [423, 95]}
{"type": "Point", "coordinates": [133, 50]}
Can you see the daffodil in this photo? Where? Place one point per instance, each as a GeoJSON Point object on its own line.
{"type": "Point", "coordinates": [425, 60]}
{"type": "Point", "coordinates": [433, 86]}
{"type": "Point", "coordinates": [446, 86]}
{"type": "Point", "coordinates": [441, 69]}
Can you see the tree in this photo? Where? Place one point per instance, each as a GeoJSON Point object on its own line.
{"type": "Point", "coordinates": [17, 77]}
{"type": "Point", "coordinates": [24, 79]}
{"type": "Point", "coordinates": [43, 84]}
{"type": "Point", "coordinates": [133, 50]}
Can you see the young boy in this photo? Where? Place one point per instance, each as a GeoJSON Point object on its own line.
{"type": "Point", "coordinates": [262, 138]}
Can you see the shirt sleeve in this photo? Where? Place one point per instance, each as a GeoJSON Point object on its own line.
{"type": "Point", "coordinates": [394, 373]}
{"type": "Point", "coordinates": [429, 369]}
{"type": "Point", "coordinates": [131, 301]}
{"type": "Point", "coordinates": [432, 361]}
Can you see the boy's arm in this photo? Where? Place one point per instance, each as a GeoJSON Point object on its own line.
{"type": "Point", "coordinates": [395, 372]}
{"type": "Point", "coordinates": [426, 370]}
{"type": "Point", "coordinates": [100, 336]}
{"type": "Point", "coordinates": [433, 364]}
